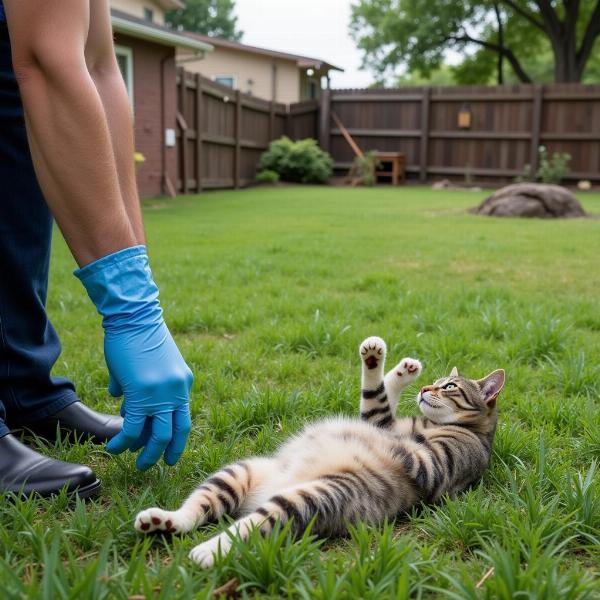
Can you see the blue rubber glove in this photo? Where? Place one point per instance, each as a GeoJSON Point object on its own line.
{"type": "Point", "coordinates": [144, 364]}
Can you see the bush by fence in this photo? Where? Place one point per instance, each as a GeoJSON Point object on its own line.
{"type": "Point", "coordinates": [301, 162]}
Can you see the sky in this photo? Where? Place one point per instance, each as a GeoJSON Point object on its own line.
{"type": "Point", "coordinates": [315, 28]}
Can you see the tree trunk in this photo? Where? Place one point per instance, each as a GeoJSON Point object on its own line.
{"type": "Point", "coordinates": [563, 38]}
{"type": "Point", "coordinates": [500, 65]}
{"type": "Point", "coordinates": [565, 63]}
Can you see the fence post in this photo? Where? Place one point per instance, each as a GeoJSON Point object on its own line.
{"type": "Point", "coordinates": [536, 125]}
{"type": "Point", "coordinates": [288, 123]}
{"type": "Point", "coordinates": [184, 131]}
{"type": "Point", "coordinates": [199, 127]}
{"type": "Point", "coordinates": [424, 146]}
{"type": "Point", "coordinates": [324, 125]}
{"type": "Point", "coordinates": [237, 158]}
{"type": "Point", "coordinates": [271, 120]}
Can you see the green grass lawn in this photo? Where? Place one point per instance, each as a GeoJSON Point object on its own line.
{"type": "Point", "coordinates": [268, 293]}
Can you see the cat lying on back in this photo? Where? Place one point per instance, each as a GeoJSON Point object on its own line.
{"type": "Point", "coordinates": [342, 470]}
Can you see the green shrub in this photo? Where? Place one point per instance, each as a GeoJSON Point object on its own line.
{"type": "Point", "coordinates": [553, 170]}
{"type": "Point", "coordinates": [267, 176]}
{"type": "Point", "coordinates": [302, 161]}
{"type": "Point", "coordinates": [550, 170]}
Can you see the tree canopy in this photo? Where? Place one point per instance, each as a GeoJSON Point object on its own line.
{"type": "Point", "coordinates": [508, 38]}
{"type": "Point", "coordinates": [209, 17]}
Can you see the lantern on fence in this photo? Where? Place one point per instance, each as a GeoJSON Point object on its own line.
{"type": "Point", "coordinates": [464, 117]}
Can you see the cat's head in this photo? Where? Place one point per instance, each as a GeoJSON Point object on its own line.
{"type": "Point", "coordinates": [456, 399]}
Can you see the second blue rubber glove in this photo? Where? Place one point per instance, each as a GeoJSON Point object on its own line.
{"type": "Point", "coordinates": [144, 364]}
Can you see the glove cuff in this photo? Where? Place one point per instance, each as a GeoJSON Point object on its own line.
{"type": "Point", "coordinates": [115, 258]}
{"type": "Point", "coordinates": [122, 288]}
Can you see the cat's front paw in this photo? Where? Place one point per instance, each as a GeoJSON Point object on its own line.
{"type": "Point", "coordinates": [372, 351]}
{"type": "Point", "coordinates": [407, 370]}
{"type": "Point", "coordinates": [156, 519]}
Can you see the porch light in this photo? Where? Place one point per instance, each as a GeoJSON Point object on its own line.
{"type": "Point", "coordinates": [310, 72]}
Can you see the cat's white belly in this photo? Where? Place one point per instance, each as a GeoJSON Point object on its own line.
{"type": "Point", "coordinates": [328, 447]}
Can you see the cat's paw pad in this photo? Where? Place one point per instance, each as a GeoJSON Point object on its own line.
{"type": "Point", "coordinates": [205, 554]}
{"type": "Point", "coordinates": [408, 369]}
{"type": "Point", "coordinates": [372, 351]}
{"type": "Point", "coordinates": [156, 519]}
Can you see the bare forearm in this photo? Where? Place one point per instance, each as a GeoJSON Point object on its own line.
{"type": "Point", "coordinates": [66, 125]}
{"type": "Point", "coordinates": [114, 98]}
{"type": "Point", "coordinates": [72, 154]}
{"type": "Point", "coordinates": [103, 68]}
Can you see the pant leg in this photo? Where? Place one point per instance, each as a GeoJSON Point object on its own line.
{"type": "Point", "coordinates": [29, 345]}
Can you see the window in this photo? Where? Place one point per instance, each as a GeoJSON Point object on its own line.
{"type": "Point", "coordinates": [148, 14]}
{"type": "Point", "coordinates": [125, 62]}
{"type": "Point", "coordinates": [228, 80]}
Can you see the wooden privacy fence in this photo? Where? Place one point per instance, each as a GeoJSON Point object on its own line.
{"type": "Point", "coordinates": [222, 132]}
{"type": "Point", "coordinates": [507, 125]}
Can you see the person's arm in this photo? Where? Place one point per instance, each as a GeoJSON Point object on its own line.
{"type": "Point", "coordinates": [102, 65]}
{"type": "Point", "coordinates": [72, 149]}
{"type": "Point", "coordinates": [67, 127]}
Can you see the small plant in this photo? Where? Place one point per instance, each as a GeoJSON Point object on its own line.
{"type": "Point", "coordinates": [301, 161]}
{"type": "Point", "coordinates": [364, 167]}
{"type": "Point", "coordinates": [267, 176]}
{"type": "Point", "coordinates": [550, 170]}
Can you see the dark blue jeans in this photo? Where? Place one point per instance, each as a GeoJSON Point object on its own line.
{"type": "Point", "coordinates": [29, 345]}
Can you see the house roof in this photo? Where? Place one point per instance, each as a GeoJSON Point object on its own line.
{"type": "Point", "coordinates": [301, 61]}
{"type": "Point", "coordinates": [171, 4]}
{"type": "Point", "coordinates": [140, 28]}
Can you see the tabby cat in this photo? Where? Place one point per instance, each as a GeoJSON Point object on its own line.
{"type": "Point", "coordinates": [341, 470]}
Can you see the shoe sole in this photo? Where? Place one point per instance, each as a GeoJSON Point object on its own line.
{"type": "Point", "coordinates": [92, 490]}
{"type": "Point", "coordinates": [86, 492]}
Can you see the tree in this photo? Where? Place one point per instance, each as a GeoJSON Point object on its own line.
{"type": "Point", "coordinates": [209, 17]}
{"type": "Point", "coordinates": [419, 34]}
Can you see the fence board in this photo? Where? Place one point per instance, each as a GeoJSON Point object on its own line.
{"type": "Point", "coordinates": [198, 132]}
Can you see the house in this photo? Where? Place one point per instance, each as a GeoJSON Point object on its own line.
{"type": "Point", "coordinates": [146, 52]}
{"type": "Point", "coordinates": [268, 74]}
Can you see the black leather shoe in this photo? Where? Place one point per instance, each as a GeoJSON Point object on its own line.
{"type": "Point", "coordinates": [24, 471]}
{"type": "Point", "coordinates": [79, 421]}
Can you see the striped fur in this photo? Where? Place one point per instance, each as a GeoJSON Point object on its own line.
{"type": "Point", "coordinates": [343, 470]}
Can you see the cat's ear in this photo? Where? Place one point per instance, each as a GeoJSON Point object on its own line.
{"type": "Point", "coordinates": [454, 372]}
{"type": "Point", "coordinates": [491, 386]}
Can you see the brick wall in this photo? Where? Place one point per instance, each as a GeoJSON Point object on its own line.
{"type": "Point", "coordinates": [153, 111]}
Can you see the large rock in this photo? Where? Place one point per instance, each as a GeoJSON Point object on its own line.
{"type": "Point", "coordinates": [531, 200]}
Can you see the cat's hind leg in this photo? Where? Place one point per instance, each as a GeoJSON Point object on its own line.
{"type": "Point", "coordinates": [333, 500]}
{"type": "Point", "coordinates": [401, 376]}
{"type": "Point", "coordinates": [374, 404]}
{"type": "Point", "coordinates": [223, 493]}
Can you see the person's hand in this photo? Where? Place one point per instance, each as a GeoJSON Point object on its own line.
{"type": "Point", "coordinates": [144, 364]}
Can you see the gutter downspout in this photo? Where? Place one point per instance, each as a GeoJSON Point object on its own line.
{"type": "Point", "coordinates": [274, 81]}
